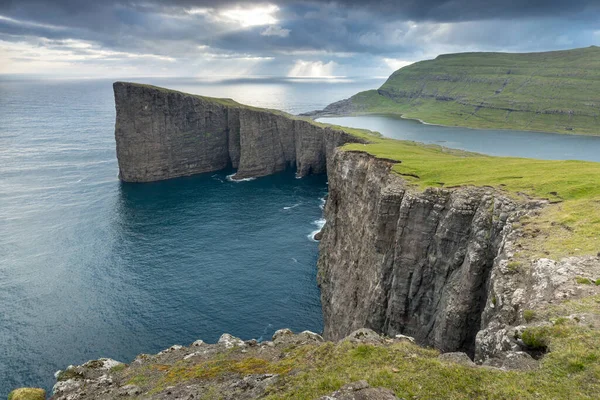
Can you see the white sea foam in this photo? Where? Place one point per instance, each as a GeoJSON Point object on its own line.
{"type": "Point", "coordinates": [322, 205]}
{"type": "Point", "coordinates": [320, 223]}
{"type": "Point", "coordinates": [294, 260]}
{"type": "Point", "coordinates": [290, 207]}
{"type": "Point", "coordinates": [230, 178]}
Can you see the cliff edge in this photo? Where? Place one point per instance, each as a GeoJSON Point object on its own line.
{"type": "Point", "coordinates": [162, 134]}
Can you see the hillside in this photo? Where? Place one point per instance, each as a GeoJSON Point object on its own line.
{"type": "Point", "coordinates": [555, 91]}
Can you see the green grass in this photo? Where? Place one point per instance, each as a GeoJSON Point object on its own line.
{"type": "Point", "coordinates": [27, 394]}
{"type": "Point", "coordinates": [529, 315]}
{"type": "Point", "coordinates": [568, 226]}
{"type": "Point", "coordinates": [553, 91]}
{"type": "Point", "coordinates": [570, 370]}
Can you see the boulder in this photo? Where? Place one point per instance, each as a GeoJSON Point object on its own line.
{"type": "Point", "coordinates": [360, 391]}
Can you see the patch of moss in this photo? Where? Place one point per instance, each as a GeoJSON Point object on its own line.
{"type": "Point", "coordinates": [514, 266]}
{"type": "Point", "coordinates": [583, 281]}
{"type": "Point", "coordinates": [138, 380]}
{"type": "Point", "coordinates": [118, 368]}
{"type": "Point", "coordinates": [69, 374]}
{"type": "Point", "coordinates": [535, 338]}
{"type": "Point", "coordinates": [529, 315]}
{"type": "Point", "coordinates": [27, 394]}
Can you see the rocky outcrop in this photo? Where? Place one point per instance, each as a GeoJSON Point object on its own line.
{"type": "Point", "coordinates": [230, 369]}
{"type": "Point", "coordinates": [163, 134]}
{"type": "Point", "coordinates": [339, 108]}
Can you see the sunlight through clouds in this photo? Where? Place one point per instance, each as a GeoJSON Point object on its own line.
{"type": "Point", "coordinates": [254, 16]}
{"type": "Point", "coordinates": [312, 69]}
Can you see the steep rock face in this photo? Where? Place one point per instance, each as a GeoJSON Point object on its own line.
{"type": "Point", "coordinates": [163, 134]}
{"type": "Point", "coordinates": [403, 261]}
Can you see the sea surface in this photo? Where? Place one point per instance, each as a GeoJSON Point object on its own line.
{"type": "Point", "coordinates": [91, 267]}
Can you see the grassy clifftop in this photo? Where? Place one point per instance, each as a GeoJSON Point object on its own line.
{"type": "Point", "coordinates": [568, 226]}
{"type": "Point", "coordinates": [555, 91]}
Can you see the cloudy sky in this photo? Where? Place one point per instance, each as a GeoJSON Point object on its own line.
{"type": "Point", "coordinates": [196, 38]}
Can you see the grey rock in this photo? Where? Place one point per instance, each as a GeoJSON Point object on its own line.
{"type": "Point", "coordinates": [404, 338]}
{"type": "Point", "coordinates": [281, 334]}
{"type": "Point", "coordinates": [318, 236]}
{"type": "Point", "coordinates": [364, 335]}
{"type": "Point", "coordinates": [360, 391]}
{"type": "Point", "coordinates": [163, 134]}
{"type": "Point", "coordinates": [513, 360]}
{"type": "Point", "coordinates": [403, 261]}
{"type": "Point", "coordinates": [457, 357]}
{"type": "Point", "coordinates": [129, 390]}
{"type": "Point", "coordinates": [230, 341]}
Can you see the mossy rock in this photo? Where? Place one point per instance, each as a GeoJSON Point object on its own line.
{"type": "Point", "coordinates": [27, 394]}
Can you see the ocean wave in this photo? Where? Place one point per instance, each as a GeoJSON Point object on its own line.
{"type": "Point", "coordinates": [290, 207]}
{"type": "Point", "coordinates": [231, 179]}
{"type": "Point", "coordinates": [320, 223]}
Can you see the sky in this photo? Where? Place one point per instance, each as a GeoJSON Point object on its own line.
{"type": "Point", "coordinates": [316, 39]}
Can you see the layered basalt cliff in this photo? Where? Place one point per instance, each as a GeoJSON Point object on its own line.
{"type": "Point", "coordinates": [437, 264]}
{"type": "Point", "coordinates": [164, 134]}
{"type": "Point", "coordinates": [405, 261]}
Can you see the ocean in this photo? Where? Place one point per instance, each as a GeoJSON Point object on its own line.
{"type": "Point", "coordinates": [91, 267]}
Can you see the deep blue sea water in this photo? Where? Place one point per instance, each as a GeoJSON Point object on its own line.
{"type": "Point", "coordinates": [90, 267]}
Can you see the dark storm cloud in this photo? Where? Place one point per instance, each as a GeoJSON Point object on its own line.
{"type": "Point", "coordinates": [416, 10]}
{"type": "Point", "coordinates": [348, 31]}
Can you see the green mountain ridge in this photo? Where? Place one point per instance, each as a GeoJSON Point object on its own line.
{"type": "Point", "coordinates": [557, 91]}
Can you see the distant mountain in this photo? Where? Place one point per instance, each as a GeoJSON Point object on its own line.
{"type": "Point", "coordinates": [557, 91]}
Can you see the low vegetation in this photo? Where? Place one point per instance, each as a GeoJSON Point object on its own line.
{"type": "Point", "coordinates": [570, 370]}
{"type": "Point", "coordinates": [553, 91]}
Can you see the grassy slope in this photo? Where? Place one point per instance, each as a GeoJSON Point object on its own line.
{"type": "Point", "coordinates": [569, 226]}
{"type": "Point", "coordinates": [553, 91]}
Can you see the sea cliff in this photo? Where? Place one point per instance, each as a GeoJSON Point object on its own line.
{"type": "Point", "coordinates": [442, 265]}
{"type": "Point", "coordinates": [162, 134]}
